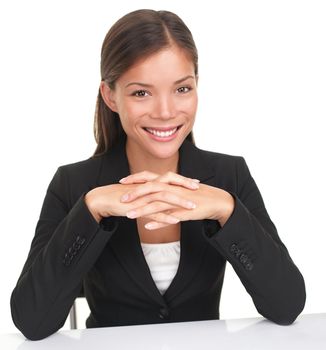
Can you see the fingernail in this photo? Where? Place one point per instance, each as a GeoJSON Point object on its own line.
{"type": "Point", "coordinates": [150, 226]}
{"type": "Point", "coordinates": [194, 185]}
{"type": "Point", "coordinates": [131, 214]}
{"type": "Point", "coordinates": [174, 220]}
{"type": "Point", "coordinates": [196, 180]}
{"type": "Point", "coordinates": [122, 180]}
{"type": "Point", "coordinates": [191, 205]}
{"type": "Point", "coordinates": [125, 197]}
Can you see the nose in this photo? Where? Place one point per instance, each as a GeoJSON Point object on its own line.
{"type": "Point", "coordinates": [164, 108]}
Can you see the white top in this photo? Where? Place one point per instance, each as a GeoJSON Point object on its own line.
{"type": "Point", "coordinates": [163, 261]}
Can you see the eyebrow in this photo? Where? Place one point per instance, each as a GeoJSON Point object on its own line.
{"type": "Point", "coordinates": [149, 85]}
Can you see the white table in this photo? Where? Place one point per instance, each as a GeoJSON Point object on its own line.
{"type": "Point", "coordinates": [308, 333]}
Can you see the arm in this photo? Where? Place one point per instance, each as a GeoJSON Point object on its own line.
{"type": "Point", "coordinates": [66, 244]}
{"type": "Point", "coordinates": [250, 242]}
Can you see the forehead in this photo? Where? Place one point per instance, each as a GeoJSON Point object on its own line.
{"type": "Point", "coordinates": [171, 63]}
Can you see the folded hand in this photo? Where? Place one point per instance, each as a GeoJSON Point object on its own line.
{"type": "Point", "coordinates": [171, 198]}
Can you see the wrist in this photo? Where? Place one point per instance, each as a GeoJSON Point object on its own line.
{"type": "Point", "coordinates": [91, 205]}
{"type": "Point", "coordinates": [227, 209]}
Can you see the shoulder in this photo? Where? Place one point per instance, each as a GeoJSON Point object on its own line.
{"type": "Point", "coordinates": [225, 160]}
{"type": "Point", "coordinates": [230, 171]}
{"type": "Point", "coordinates": [224, 157]}
{"type": "Point", "coordinates": [77, 177]}
{"type": "Point", "coordinates": [86, 166]}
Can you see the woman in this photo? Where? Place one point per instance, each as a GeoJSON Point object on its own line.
{"type": "Point", "coordinates": [151, 247]}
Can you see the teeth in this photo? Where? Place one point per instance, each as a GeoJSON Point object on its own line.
{"type": "Point", "coordinates": [162, 133]}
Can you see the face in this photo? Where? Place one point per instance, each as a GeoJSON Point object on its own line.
{"type": "Point", "coordinates": [156, 100]}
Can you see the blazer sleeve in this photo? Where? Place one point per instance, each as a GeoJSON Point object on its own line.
{"type": "Point", "coordinates": [66, 244]}
{"type": "Point", "coordinates": [250, 243]}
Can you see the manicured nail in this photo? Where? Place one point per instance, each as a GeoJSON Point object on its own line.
{"type": "Point", "coordinates": [131, 214]}
{"type": "Point", "coordinates": [122, 180]}
{"type": "Point", "coordinates": [151, 226]}
{"type": "Point", "coordinates": [194, 185]}
{"type": "Point", "coordinates": [174, 220]}
{"type": "Point", "coordinates": [125, 197]}
{"type": "Point", "coordinates": [196, 180]}
{"type": "Point", "coordinates": [191, 205]}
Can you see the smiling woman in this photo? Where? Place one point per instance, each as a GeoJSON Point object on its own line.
{"type": "Point", "coordinates": [146, 225]}
{"type": "Point", "coordinates": [156, 111]}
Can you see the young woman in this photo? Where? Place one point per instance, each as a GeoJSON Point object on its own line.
{"type": "Point", "coordinates": [145, 226]}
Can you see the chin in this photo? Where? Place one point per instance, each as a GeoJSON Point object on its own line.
{"type": "Point", "coordinates": [165, 154]}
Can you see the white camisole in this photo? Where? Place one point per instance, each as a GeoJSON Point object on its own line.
{"type": "Point", "coordinates": [163, 261]}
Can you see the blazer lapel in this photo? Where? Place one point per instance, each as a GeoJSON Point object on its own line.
{"type": "Point", "coordinates": [194, 164]}
{"type": "Point", "coordinates": [114, 165]}
{"type": "Point", "coordinates": [126, 247]}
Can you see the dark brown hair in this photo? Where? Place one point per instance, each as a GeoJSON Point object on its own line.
{"type": "Point", "coordinates": [136, 35]}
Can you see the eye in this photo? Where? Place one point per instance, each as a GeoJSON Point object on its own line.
{"type": "Point", "coordinates": [140, 93]}
{"type": "Point", "coordinates": [184, 89]}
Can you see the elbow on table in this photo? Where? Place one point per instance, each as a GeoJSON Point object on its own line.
{"type": "Point", "coordinates": [31, 332]}
{"type": "Point", "coordinates": [287, 311]}
{"type": "Point", "coordinates": [285, 303]}
{"type": "Point", "coordinates": [29, 324]}
{"type": "Point", "coordinates": [283, 320]}
{"type": "Point", "coordinates": [33, 335]}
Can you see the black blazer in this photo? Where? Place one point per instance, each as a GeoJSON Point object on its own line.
{"type": "Point", "coordinates": [70, 250]}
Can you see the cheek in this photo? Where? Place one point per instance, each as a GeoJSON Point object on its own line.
{"type": "Point", "coordinates": [130, 113]}
{"type": "Point", "coordinates": [189, 105]}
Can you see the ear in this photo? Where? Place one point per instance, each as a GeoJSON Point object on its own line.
{"type": "Point", "coordinates": [108, 96]}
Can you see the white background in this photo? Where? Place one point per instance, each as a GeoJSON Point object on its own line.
{"type": "Point", "coordinates": [262, 92]}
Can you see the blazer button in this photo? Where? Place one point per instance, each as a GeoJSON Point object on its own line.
{"type": "Point", "coordinates": [243, 258]}
{"type": "Point", "coordinates": [76, 246]}
{"type": "Point", "coordinates": [164, 313]}
{"type": "Point", "coordinates": [249, 266]}
{"type": "Point", "coordinates": [233, 248]}
{"type": "Point", "coordinates": [237, 252]}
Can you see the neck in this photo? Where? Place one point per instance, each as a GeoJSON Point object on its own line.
{"type": "Point", "coordinates": [139, 161]}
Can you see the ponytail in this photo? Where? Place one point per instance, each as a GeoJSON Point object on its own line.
{"type": "Point", "coordinates": [107, 127]}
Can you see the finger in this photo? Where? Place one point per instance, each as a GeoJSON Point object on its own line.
{"type": "Point", "coordinates": [164, 200]}
{"type": "Point", "coordinates": [142, 190]}
{"type": "Point", "coordinates": [158, 219]}
{"type": "Point", "coordinates": [180, 180]}
{"type": "Point", "coordinates": [157, 211]}
{"type": "Point", "coordinates": [163, 218]}
{"type": "Point", "coordinates": [169, 177]}
{"type": "Point", "coordinates": [170, 199]}
{"type": "Point", "coordinates": [153, 225]}
{"type": "Point", "coordinates": [141, 177]}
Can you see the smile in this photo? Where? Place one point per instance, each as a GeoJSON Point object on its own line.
{"type": "Point", "coordinates": [163, 134]}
